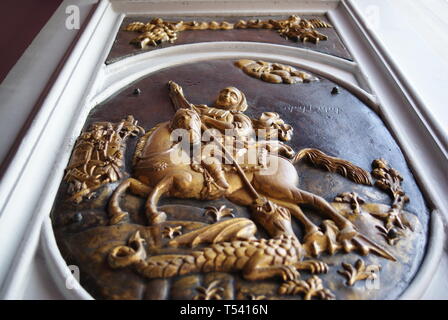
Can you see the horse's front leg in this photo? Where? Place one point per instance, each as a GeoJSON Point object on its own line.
{"type": "Point", "coordinates": [136, 187]}
{"type": "Point", "coordinates": [152, 213]}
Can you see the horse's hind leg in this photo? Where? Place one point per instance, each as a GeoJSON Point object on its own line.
{"type": "Point", "coordinates": [322, 205]}
{"type": "Point", "coordinates": [291, 194]}
{"type": "Point", "coordinates": [153, 214]}
{"type": "Point", "coordinates": [136, 187]}
{"type": "Point", "coordinates": [347, 237]}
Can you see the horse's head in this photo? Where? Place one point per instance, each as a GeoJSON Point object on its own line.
{"type": "Point", "coordinates": [190, 121]}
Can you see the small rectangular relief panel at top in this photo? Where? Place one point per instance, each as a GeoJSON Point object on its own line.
{"type": "Point", "coordinates": [142, 34]}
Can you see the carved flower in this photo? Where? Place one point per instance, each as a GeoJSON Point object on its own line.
{"type": "Point", "coordinates": [245, 293]}
{"type": "Point", "coordinates": [212, 292]}
{"type": "Point", "coordinates": [392, 236]}
{"type": "Point", "coordinates": [359, 271]}
{"type": "Point", "coordinates": [310, 288]}
{"type": "Point", "coordinates": [171, 232]}
{"type": "Point", "coordinates": [352, 198]}
{"type": "Point", "coordinates": [218, 214]}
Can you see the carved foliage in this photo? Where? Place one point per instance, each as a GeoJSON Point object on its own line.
{"type": "Point", "coordinates": [212, 292]}
{"type": "Point", "coordinates": [158, 31]}
{"type": "Point", "coordinates": [218, 214]}
{"type": "Point", "coordinates": [353, 199]}
{"type": "Point", "coordinates": [359, 271]}
{"type": "Point", "coordinates": [389, 180]}
{"type": "Point", "coordinates": [310, 288]}
{"type": "Point", "coordinates": [274, 72]}
{"type": "Point", "coordinates": [98, 155]}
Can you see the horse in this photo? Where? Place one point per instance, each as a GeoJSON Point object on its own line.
{"type": "Point", "coordinates": [156, 175]}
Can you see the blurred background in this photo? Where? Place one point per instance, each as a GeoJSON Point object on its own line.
{"type": "Point", "coordinates": [21, 21]}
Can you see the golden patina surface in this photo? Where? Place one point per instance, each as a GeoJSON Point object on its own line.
{"type": "Point", "coordinates": [212, 251]}
{"type": "Point", "coordinates": [353, 199]}
{"type": "Point", "coordinates": [98, 156]}
{"type": "Point", "coordinates": [359, 271]}
{"type": "Point", "coordinates": [272, 196]}
{"type": "Point", "coordinates": [294, 28]}
{"type": "Point", "coordinates": [389, 180]}
{"type": "Point", "coordinates": [274, 72]}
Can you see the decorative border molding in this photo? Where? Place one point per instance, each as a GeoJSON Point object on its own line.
{"type": "Point", "coordinates": [57, 265]}
{"type": "Point", "coordinates": [341, 71]}
{"type": "Point", "coordinates": [433, 255]}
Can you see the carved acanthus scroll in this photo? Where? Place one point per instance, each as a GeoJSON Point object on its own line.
{"type": "Point", "coordinates": [294, 28]}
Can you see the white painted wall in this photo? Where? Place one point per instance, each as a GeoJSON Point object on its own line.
{"type": "Point", "coordinates": [415, 34]}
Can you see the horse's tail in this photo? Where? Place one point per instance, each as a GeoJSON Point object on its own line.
{"type": "Point", "coordinates": [332, 164]}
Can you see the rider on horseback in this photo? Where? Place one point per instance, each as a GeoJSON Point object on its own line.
{"type": "Point", "coordinates": [226, 116]}
{"type": "Point", "coordinates": [227, 123]}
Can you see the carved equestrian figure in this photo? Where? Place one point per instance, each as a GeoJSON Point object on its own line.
{"type": "Point", "coordinates": [267, 193]}
{"type": "Point", "coordinates": [227, 123]}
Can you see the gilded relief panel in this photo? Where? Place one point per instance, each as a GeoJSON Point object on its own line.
{"type": "Point", "coordinates": [239, 179]}
{"type": "Point", "coordinates": [142, 34]}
